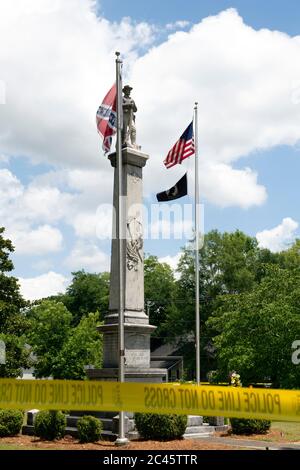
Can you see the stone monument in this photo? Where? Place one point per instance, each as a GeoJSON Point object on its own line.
{"type": "Point", "coordinates": [136, 323]}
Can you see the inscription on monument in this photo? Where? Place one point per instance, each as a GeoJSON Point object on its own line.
{"type": "Point", "coordinates": [137, 351]}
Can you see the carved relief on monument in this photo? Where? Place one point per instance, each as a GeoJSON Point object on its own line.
{"type": "Point", "coordinates": [134, 244]}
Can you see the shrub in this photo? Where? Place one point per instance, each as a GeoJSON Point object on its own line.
{"type": "Point", "coordinates": [50, 425]}
{"type": "Point", "coordinates": [89, 429]}
{"type": "Point", "coordinates": [10, 422]}
{"type": "Point", "coordinates": [160, 427]}
{"type": "Point", "coordinates": [249, 426]}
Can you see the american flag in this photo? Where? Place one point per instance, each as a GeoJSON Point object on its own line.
{"type": "Point", "coordinates": [106, 118]}
{"type": "Point", "coordinates": [183, 148]}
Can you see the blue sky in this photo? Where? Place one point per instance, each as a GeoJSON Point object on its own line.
{"type": "Point", "coordinates": [276, 14]}
{"type": "Point", "coordinates": [53, 175]}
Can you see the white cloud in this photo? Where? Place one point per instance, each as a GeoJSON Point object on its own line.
{"type": "Point", "coordinates": [171, 260]}
{"type": "Point", "coordinates": [180, 24]}
{"type": "Point", "coordinates": [46, 203]}
{"type": "Point", "coordinates": [19, 203]}
{"type": "Point", "coordinates": [44, 239]}
{"type": "Point", "coordinates": [42, 286]}
{"type": "Point", "coordinates": [280, 237]}
{"type": "Point", "coordinates": [10, 188]}
{"type": "Point", "coordinates": [2, 92]}
{"type": "Point", "coordinates": [88, 257]}
{"type": "Point", "coordinates": [242, 79]}
{"type": "Point", "coordinates": [226, 186]}
{"type": "Point", "coordinates": [72, 196]}
{"type": "Point", "coordinates": [245, 81]}
{"type": "Point", "coordinates": [58, 63]}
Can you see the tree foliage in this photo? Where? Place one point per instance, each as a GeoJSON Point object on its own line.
{"type": "Point", "coordinates": [87, 293]}
{"type": "Point", "coordinates": [11, 301]}
{"type": "Point", "coordinates": [13, 322]}
{"type": "Point", "coordinates": [16, 355]}
{"type": "Point", "coordinates": [160, 293]}
{"type": "Point", "coordinates": [83, 347]}
{"type": "Point", "coordinates": [50, 327]}
{"type": "Point", "coordinates": [254, 331]}
{"type": "Point", "coordinates": [62, 350]}
{"type": "Point", "coordinates": [229, 263]}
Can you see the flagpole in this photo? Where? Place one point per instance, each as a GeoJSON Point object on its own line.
{"type": "Point", "coordinates": [121, 440]}
{"type": "Point", "coordinates": [197, 206]}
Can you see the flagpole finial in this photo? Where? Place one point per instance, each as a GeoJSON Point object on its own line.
{"type": "Point", "coordinates": [117, 53]}
{"type": "Point", "coordinates": [196, 104]}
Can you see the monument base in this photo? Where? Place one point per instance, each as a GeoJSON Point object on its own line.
{"type": "Point", "coordinates": [110, 420]}
{"type": "Point", "coordinates": [132, 374]}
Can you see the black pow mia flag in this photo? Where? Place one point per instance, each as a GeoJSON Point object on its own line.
{"type": "Point", "coordinates": [177, 191]}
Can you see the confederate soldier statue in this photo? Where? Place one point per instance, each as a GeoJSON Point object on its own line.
{"type": "Point", "coordinates": [129, 129]}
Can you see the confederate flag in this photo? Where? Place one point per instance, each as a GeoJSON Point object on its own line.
{"type": "Point", "coordinates": [106, 118]}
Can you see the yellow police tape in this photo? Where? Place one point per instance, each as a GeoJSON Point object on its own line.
{"type": "Point", "coordinates": [152, 398]}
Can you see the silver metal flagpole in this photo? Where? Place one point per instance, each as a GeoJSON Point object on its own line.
{"type": "Point", "coordinates": [197, 206]}
{"type": "Point", "coordinates": [121, 440]}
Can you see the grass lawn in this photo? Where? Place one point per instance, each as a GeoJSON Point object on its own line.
{"type": "Point", "coordinates": [281, 431]}
{"type": "Point", "coordinates": [289, 431]}
{"type": "Point", "coordinates": [15, 447]}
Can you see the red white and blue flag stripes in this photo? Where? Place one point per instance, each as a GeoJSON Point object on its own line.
{"type": "Point", "coordinates": [183, 148]}
{"type": "Point", "coordinates": [106, 118]}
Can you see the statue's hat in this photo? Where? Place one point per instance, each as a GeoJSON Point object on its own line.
{"type": "Point", "coordinates": [127, 87]}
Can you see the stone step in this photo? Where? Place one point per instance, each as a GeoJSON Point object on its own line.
{"type": "Point", "coordinates": [28, 429]}
{"type": "Point", "coordinates": [199, 429]}
{"type": "Point", "coordinates": [108, 436]}
{"type": "Point", "coordinates": [71, 431]}
{"type": "Point", "coordinates": [195, 420]}
{"type": "Point", "coordinates": [133, 435]}
{"type": "Point", "coordinates": [201, 435]}
{"type": "Point", "coordinates": [222, 428]}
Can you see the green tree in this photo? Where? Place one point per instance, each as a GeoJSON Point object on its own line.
{"type": "Point", "coordinates": [290, 258]}
{"type": "Point", "coordinates": [230, 263]}
{"type": "Point", "coordinates": [83, 347]}
{"type": "Point", "coordinates": [11, 301]}
{"type": "Point", "coordinates": [254, 331]}
{"type": "Point", "coordinates": [13, 322]}
{"type": "Point", "coordinates": [50, 328]}
{"type": "Point", "coordinates": [61, 349]}
{"type": "Point", "coordinates": [87, 293]}
{"type": "Point", "coordinates": [16, 355]}
{"type": "Point", "coordinates": [160, 292]}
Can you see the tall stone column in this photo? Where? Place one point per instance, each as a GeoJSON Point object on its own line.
{"type": "Point", "coordinates": [136, 322]}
